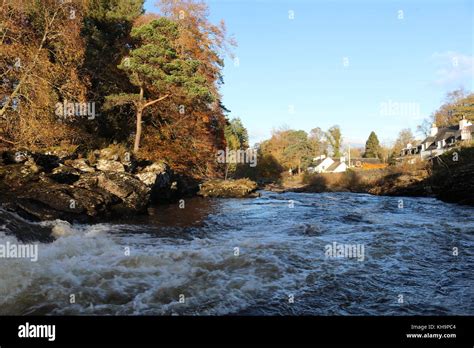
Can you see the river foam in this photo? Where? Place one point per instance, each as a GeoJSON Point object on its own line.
{"type": "Point", "coordinates": [250, 257]}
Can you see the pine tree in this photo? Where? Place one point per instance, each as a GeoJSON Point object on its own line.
{"type": "Point", "coordinates": [372, 146]}
{"type": "Point", "coordinates": [155, 67]}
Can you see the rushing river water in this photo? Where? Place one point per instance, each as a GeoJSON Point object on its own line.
{"type": "Point", "coordinates": [264, 256]}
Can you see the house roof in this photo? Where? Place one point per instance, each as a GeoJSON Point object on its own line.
{"type": "Point", "coordinates": [333, 166]}
{"type": "Point", "coordinates": [443, 134]}
{"type": "Point", "coordinates": [429, 139]}
{"type": "Point", "coordinates": [319, 161]}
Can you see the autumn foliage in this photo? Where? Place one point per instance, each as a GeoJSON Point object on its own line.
{"type": "Point", "coordinates": [162, 70]}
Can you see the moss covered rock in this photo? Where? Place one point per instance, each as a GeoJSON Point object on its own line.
{"type": "Point", "coordinates": [229, 188]}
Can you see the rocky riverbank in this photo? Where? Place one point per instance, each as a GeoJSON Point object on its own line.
{"type": "Point", "coordinates": [109, 182]}
{"type": "Point", "coordinates": [103, 184]}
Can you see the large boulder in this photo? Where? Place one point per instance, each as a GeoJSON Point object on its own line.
{"type": "Point", "coordinates": [111, 153]}
{"type": "Point", "coordinates": [49, 200]}
{"type": "Point", "coordinates": [30, 166]}
{"type": "Point", "coordinates": [132, 193]}
{"type": "Point", "coordinates": [107, 159]}
{"type": "Point", "coordinates": [158, 177]}
{"type": "Point", "coordinates": [229, 188]}
{"type": "Point", "coordinates": [156, 174]}
{"type": "Point", "coordinates": [45, 187]}
{"type": "Point", "coordinates": [17, 175]}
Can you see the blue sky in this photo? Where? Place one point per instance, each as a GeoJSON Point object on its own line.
{"type": "Point", "coordinates": [364, 65]}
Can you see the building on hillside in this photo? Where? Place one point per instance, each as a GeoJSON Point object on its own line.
{"type": "Point", "coordinates": [323, 164]}
{"type": "Point", "coordinates": [439, 141]}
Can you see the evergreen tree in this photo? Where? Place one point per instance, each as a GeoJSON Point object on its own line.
{"type": "Point", "coordinates": [155, 67]}
{"type": "Point", "coordinates": [106, 30]}
{"type": "Point", "coordinates": [372, 146]}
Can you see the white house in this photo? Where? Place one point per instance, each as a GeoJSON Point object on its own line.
{"type": "Point", "coordinates": [323, 164]}
{"type": "Point", "coordinates": [440, 140]}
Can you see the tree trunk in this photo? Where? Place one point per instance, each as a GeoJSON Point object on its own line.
{"type": "Point", "coordinates": [138, 133]}
{"type": "Point", "coordinates": [226, 170]}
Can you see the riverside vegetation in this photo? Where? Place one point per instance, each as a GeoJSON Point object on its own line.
{"type": "Point", "coordinates": [106, 110]}
{"type": "Point", "coordinates": [447, 177]}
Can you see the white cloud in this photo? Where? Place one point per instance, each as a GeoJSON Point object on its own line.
{"type": "Point", "coordinates": [453, 68]}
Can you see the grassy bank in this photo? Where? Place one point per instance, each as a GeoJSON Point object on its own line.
{"type": "Point", "coordinates": [448, 177]}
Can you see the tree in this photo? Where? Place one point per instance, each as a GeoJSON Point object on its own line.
{"type": "Point", "coordinates": [106, 31]}
{"type": "Point", "coordinates": [458, 104]}
{"type": "Point", "coordinates": [385, 152]}
{"type": "Point", "coordinates": [41, 53]}
{"type": "Point", "coordinates": [155, 67]}
{"type": "Point", "coordinates": [188, 132]}
{"type": "Point", "coordinates": [334, 137]}
{"type": "Point", "coordinates": [372, 146]}
{"type": "Point", "coordinates": [199, 37]}
{"type": "Point", "coordinates": [317, 141]}
{"type": "Point", "coordinates": [424, 127]}
{"type": "Point", "coordinates": [297, 153]}
{"type": "Point", "coordinates": [237, 139]}
{"type": "Point", "coordinates": [288, 148]}
{"type": "Point", "coordinates": [404, 137]}
{"type": "Point", "coordinates": [237, 129]}
{"type": "Point", "coordinates": [356, 152]}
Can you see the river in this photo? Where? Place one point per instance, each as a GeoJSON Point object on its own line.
{"type": "Point", "coordinates": [263, 256]}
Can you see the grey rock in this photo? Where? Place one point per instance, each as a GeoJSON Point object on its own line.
{"type": "Point", "coordinates": [111, 166]}
{"type": "Point", "coordinates": [80, 164]}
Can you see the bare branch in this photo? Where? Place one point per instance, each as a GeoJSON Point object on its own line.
{"type": "Point", "coordinates": [155, 101]}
